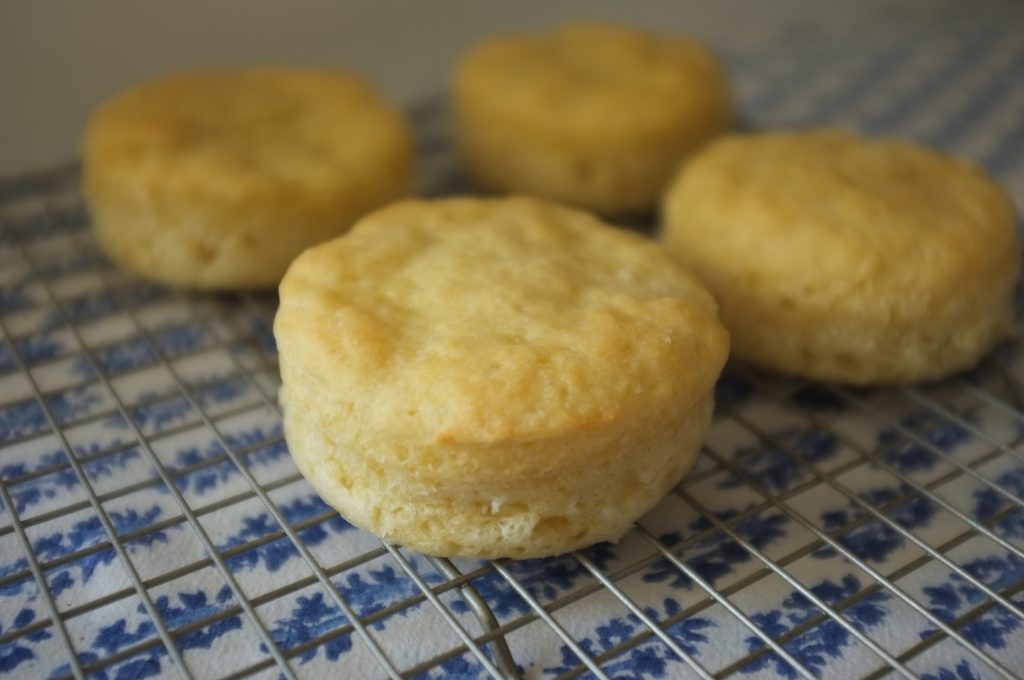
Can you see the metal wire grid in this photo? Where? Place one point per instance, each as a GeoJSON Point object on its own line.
{"type": "Point", "coordinates": [237, 327]}
{"type": "Point", "coordinates": [476, 642]}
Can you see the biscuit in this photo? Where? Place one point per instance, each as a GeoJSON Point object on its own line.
{"type": "Point", "coordinates": [847, 259]}
{"type": "Point", "coordinates": [494, 377]}
{"type": "Point", "coordinates": [591, 114]}
{"type": "Point", "coordinates": [219, 179]}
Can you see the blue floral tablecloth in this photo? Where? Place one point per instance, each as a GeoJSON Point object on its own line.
{"type": "Point", "coordinates": [858, 530]}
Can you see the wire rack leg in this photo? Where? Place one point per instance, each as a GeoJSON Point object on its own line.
{"type": "Point", "coordinates": [499, 646]}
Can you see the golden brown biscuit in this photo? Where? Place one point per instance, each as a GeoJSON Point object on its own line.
{"type": "Point", "coordinates": [491, 378]}
{"type": "Point", "coordinates": [848, 259]}
{"type": "Point", "coordinates": [592, 114]}
{"type": "Point", "coordinates": [218, 179]}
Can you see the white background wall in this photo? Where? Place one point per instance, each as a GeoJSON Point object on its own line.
{"type": "Point", "coordinates": [58, 59]}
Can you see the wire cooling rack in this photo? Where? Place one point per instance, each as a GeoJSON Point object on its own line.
{"type": "Point", "coordinates": [153, 523]}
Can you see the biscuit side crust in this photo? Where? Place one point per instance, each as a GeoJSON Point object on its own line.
{"type": "Point", "coordinates": [584, 488]}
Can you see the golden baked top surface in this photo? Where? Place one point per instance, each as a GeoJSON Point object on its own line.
{"type": "Point", "coordinates": [258, 129]}
{"type": "Point", "coordinates": [595, 75]}
{"type": "Point", "coordinates": [478, 321]}
{"type": "Point", "coordinates": [828, 210]}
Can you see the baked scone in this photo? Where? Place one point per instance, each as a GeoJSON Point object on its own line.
{"type": "Point", "coordinates": [219, 179]}
{"type": "Point", "coordinates": [592, 114]}
{"type": "Point", "coordinates": [847, 259]}
{"type": "Point", "coordinates": [494, 377]}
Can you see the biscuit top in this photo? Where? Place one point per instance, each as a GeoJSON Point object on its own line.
{"type": "Point", "coordinates": [254, 130]}
{"type": "Point", "coordinates": [872, 214]}
{"type": "Point", "coordinates": [479, 321]}
{"type": "Point", "coordinates": [596, 76]}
